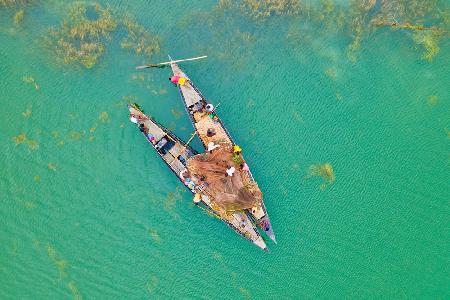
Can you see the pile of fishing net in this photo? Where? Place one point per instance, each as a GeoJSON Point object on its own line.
{"type": "Point", "coordinates": [231, 193]}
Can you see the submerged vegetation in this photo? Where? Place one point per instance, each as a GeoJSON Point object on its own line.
{"type": "Point", "coordinates": [353, 21]}
{"type": "Point", "coordinates": [85, 32]}
{"type": "Point", "coordinates": [138, 39]}
{"type": "Point", "coordinates": [322, 170]}
{"type": "Point", "coordinates": [267, 8]}
{"type": "Point", "coordinates": [81, 38]}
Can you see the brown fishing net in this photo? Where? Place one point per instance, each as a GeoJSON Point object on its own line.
{"type": "Point", "coordinates": [229, 192]}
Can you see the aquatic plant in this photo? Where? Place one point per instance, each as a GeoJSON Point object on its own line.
{"type": "Point", "coordinates": [20, 138]}
{"type": "Point", "coordinates": [322, 170]}
{"type": "Point", "coordinates": [104, 117]}
{"type": "Point", "coordinates": [428, 40]}
{"type": "Point", "coordinates": [27, 113]}
{"type": "Point", "coordinates": [33, 145]}
{"type": "Point", "coordinates": [81, 38]}
{"type": "Point", "coordinates": [358, 15]}
{"type": "Point", "coordinates": [11, 3]}
{"type": "Point", "coordinates": [18, 16]}
{"type": "Point", "coordinates": [31, 80]}
{"type": "Point", "coordinates": [74, 290]}
{"type": "Point", "coordinates": [139, 39]}
{"type": "Point", "coordinates": [51, 166]}
{"type": "Point", "coordinates": [412, 15]}
{"type": "Point", "coordinates": [261, 9]}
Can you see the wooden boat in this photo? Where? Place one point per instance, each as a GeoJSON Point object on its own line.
{"type": "Point", "coordinates": [175, 153]}
{"type": "Point", "coordinates": [206, 121]}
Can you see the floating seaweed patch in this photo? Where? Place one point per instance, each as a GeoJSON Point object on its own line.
{"type": "Point", "coordinates": [75, 135]}
{"type": "Point", "coordinates": [296, 116]}
{"type": "Point", "coordinates": [331, 72]}
{"type": "Point", "coordinates": [51, 166]}
{"type": "Point", "coordinates": [55, 134]}
{"type": "Point", "coordinates": [14, 3]}
{"type": "Point", "coordinates": [139, 39]}
{"type": "Point", "coordinates": [322, 170]}
{"type": "Point", "coordinates": [176, 113]}
{"type": "Point", "coordinates": [74, 290]}
{"type": "Point", "coordinates": [246, 293]}
{"type": "Point", "coordinates": [429, 41]}
{"type": "Point", "coordinates": [172, 198]}
{"type": "Point", "coordinates": [33, 145]}
{"type": "Point", "coordinates": [217, 256]}
{"type": "Point", "coordinates": [140, 77]}
{"type": "Point", "coordinates": [59, 263]}
{"type": "Point", "coordinates": [20, 138]}
{"type": "Point", "coordinates": [261, 9]}
{"type": "Point", "coordinates": [104, 117]}
{"type": "Point", "coordinates": [37, 178]}
{"type": "Point", "coordinates": [27, 204]}
{"type": "Point", "coordinates": [251, 104]}
{"type": "Point", "coordinates": [154, 235]}
{"type": "Point", "coordinates": [18, 17]}
{"type": "Point", "coordinates": [433, 100]}
{"type": "Point", "coordinates": [82, 36]}
{"type": "Point", "coordinates": [31, 80]}
{"type": "Point", "coordinates": [152, 285]}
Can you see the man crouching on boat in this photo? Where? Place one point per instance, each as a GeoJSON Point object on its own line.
{"type": "Point", "coordinates": [177, 80]}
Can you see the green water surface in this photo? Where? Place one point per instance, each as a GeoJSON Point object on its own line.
{"type": "Point", "coordinates": [88, 211]}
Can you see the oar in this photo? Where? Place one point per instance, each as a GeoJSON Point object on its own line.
{"type": "Point", "coordinates": [161, 65]}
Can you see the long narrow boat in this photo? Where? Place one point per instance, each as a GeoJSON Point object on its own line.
{"type": "Point", "coordinates": [175, 153]}
{"type": "Point", "coordinates": [210, 129]}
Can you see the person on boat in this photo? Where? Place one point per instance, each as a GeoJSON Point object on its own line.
{"type": "Point", "coordinates": [133, 119]}
{"type": "Point", "coordinates": [151, 138]}
{"type": "Point", "coordinates": [190, 183]}
{"type": "Point", "coordinates": [230, 171]}
{"type": "Point", "coordinates": [197, 198]}
{"type": "Point", "coordinates": [212, 146]}
{"type": "Point", "coordinates": [142, 128]}
{"type": "Point", "coordinates": [175, 79]}
{"type": "Point", "coordinates": [244, 167]}
{"type": "Point", "coordinates": [209, 108]}
{"type": "Point", "coordinates": [237, 150]}
{"type": "Point", "coordinates": [210, 132]}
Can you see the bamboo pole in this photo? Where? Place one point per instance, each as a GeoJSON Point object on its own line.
{"type": "Point", "coordinates": [168, 62]}
{"type": "Point", "coordinates": [184, 148]}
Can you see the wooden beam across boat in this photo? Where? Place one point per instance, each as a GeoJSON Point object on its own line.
{"type": "Point", "coordinates": [168, 62]}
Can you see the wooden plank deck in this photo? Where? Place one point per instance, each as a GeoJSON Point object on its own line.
{"type": "Point", "coordinates": [203, 122]}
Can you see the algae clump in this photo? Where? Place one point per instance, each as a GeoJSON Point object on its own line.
{"type": "Point", "coordinates": [429, 42]}
{"type": "Point", "coordinates": [322, 170]}
{"type": "Point", "coordinates": [261, 9]}
{"type": "Point", "coordinates": [20, 138]}
{"type": "Point", "coordinates": [139, 39]}
{"type": "Point", "coordinates": [80, 38]}
{"type": "Point", "coordinates": [18, 16]}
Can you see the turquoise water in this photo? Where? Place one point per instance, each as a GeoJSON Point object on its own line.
{"type": "Point", "coordinates": [89, 211]}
